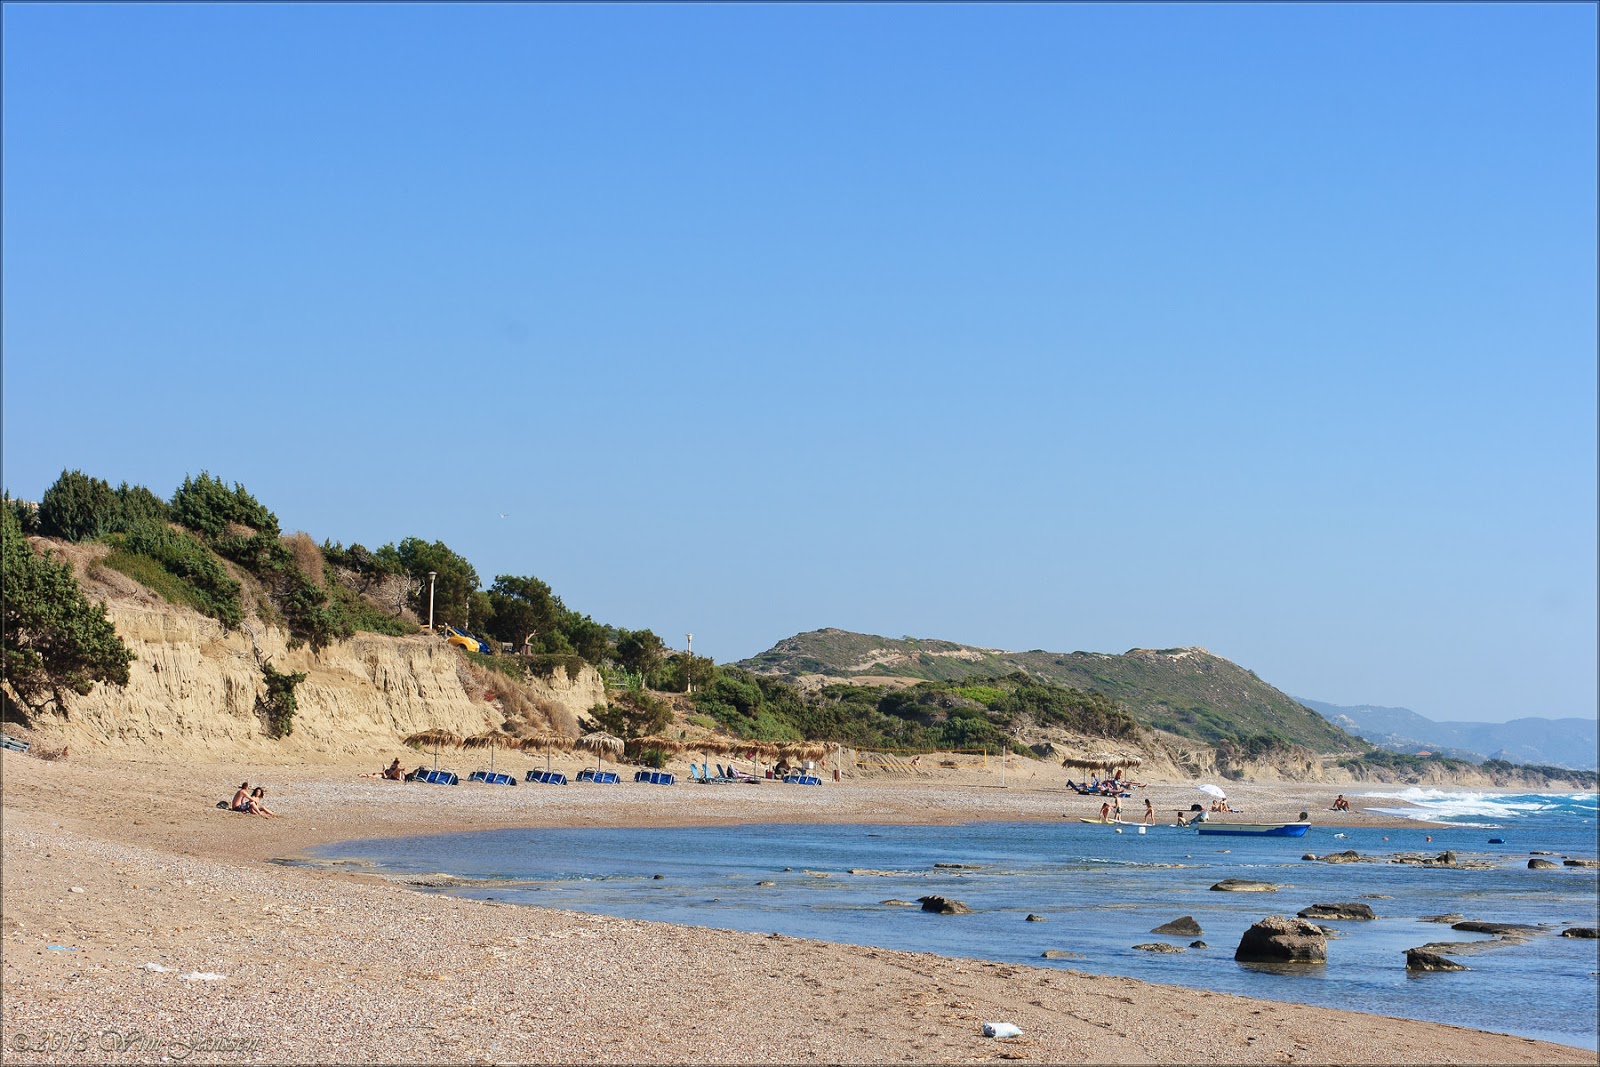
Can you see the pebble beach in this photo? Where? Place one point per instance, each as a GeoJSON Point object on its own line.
{"type": "Point", "coordinates": [143, 925]}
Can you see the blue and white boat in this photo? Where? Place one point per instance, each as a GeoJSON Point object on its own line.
{"type": "Point", "coordinates": [1254, 829]}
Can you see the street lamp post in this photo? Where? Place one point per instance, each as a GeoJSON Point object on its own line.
{"type": "Point", "coordinates": [690, 670]}
{"type": "Point", "coordinates": [431, 576]}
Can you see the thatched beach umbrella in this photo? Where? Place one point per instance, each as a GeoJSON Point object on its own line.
{"type": "Point", "coordinates": [434, 737]}
{"type": "Point", "coordinates": [665, 744]}
{"type": "Point", "coordinates": [547, 743]}
{"type": "Point", "coordinates": [492, 740]}
{"type": "Point", "coordinates": [600, 743]}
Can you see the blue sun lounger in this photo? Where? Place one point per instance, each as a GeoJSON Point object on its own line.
{"type": "Point", "coordinates": [599, 777]}
{"type": "Point", "coordinates": [654, 777]}
{"type": "Point", "coordinates": [491, 779]}
{"type": "Point", "coordinates": [440, 778]}
{"type": "Point", "coordinates": [546, 778]}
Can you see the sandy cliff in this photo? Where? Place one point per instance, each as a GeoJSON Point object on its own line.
{"type": "Point", "coordinates": [194, 686]}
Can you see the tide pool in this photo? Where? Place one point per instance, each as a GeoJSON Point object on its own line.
{"type": "Point", "coordinates": [1099, 893]}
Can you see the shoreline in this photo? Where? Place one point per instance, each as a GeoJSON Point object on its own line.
{"type": "Point", "coordinates": [390, 974]}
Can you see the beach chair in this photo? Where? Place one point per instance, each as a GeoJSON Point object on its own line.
{"type": "Point", "coordinates": [488, 778]}
{"type": "Point", "coordinates": [546, 778]}
{"type": "Point", "coordinates": [654, 778]}
{"type": "Point", "coordinates": [7, 741]}
{"type": "Point", "coordinates": [441, 778]}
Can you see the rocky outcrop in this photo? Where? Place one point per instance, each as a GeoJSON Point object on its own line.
{"type": "Point", "coordinates": [1181, 927]}
{"type": "Point", "coordinates": [1580, 931]}
{"type": "Point", "coordinates": [1418, 960]}
{"type": "Point", "coordinates": [1158, 946]}
{"type": "Point", "coordinates": [1537, 864]}
{"type": "Point", "coordinates": [1241, 885]}
{"type": "Point", "coordinates": [944, 906]}
{"type": "Point", "coordinates": [1353, 910]}
{"type": "Point", "coordinates": [1277, 939]}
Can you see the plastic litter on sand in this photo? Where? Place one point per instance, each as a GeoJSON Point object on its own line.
{"type": "Point", "coordinates": [1001, 1030]}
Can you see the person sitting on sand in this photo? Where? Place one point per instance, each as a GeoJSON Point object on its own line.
{"type": "Point", "coordinates": [1340, 803]}
{"type": "Point", "coordinates": [241, 799]}
{"type": "Point", "coordinates": [395, 772]}
{"type": "Point", "coordinates": [258, 803]}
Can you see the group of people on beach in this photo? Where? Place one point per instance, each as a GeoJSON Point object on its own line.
{"type": "Point", "coordinates": [1111, 811]}
{"type": "Point", "coordinates": [251, 803]}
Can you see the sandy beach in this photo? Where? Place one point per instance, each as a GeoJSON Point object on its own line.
{"type": "Point", "coordinates": [141, 924]}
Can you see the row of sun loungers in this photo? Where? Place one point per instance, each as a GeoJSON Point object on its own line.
{"type": "Point", "coordinates": [697, 773]}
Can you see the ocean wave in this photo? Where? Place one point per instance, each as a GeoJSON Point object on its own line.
{"type": "Point", "coordinates": [1459, 806]}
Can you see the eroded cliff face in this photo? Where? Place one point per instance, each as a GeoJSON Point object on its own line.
{"type": "Point", "coordinates": [193, 691]}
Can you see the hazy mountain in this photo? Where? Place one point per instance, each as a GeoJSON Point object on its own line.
{"type": "Point", "coordinates": [1551, 742]}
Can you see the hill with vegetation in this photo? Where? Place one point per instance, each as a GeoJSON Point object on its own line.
{"type": "Point", "coordinates": [1184, 691]}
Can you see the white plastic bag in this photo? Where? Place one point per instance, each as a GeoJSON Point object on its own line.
{"type": "Point", "coordinates": [1001, 1030]}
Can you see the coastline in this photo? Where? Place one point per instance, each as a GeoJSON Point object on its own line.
{"type": "Point", "coordinates": [392, 975]}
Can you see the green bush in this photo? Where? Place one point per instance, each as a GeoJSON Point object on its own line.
{"type": "Point", "coordinates": [209, 507]}
{"type": "Point", "coordinates": [77, 507]}
{"type": "Point", "coordinates": [198, 578]}
{"type": "Point", "coordinates": [53, 638]}
{"type": "Point", "coordinates": [278, 705]}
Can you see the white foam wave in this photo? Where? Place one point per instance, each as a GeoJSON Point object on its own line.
{"type": "Point", "coordinates": [1457, 805]}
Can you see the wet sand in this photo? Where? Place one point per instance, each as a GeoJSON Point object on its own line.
{"type": "Point", "coordinates": [178, 936]}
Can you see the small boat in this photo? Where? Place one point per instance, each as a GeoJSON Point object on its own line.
{"type": "Point", "coordinates": [1255, 829]}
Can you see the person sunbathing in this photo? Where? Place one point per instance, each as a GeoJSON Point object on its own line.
{"type": "Point", "coordinates": [258, 803]}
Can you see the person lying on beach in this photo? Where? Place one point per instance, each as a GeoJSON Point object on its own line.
{"type": "Point", "coordinates": [241, 799]}
{"type": "Point", "coordinates": [393, 772]}
{"type": "Point", "coordinates": [258, 803]}
{"type": "Point", "coordinates": [416, 775]}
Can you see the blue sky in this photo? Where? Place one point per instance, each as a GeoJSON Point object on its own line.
{"type": "Point", "coordinates": [1270, 329]}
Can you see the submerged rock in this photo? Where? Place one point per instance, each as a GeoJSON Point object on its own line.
{"type": "Point", "coordinates": [1349, 855]}
{"type": "Point", "coordinates": [1198, 944]}
{"type": "Point", "coordinates": [1277, 939]}
{"type": "Point", "coordinates": [1449, 917]}
{"type": "Point", "coordinates": [1181, 927]}
{"type": "Point", "coordinates": [1349, 911]}
{"type": "Point", "coordinates": [1580, 863]}
{"type": "Point", "coordinates": [1032, 918]}
{"type": "Point", "coordinates": [1060, 954]}
{"type": "Point", "coordinates": [1241, 885]}
{"type": "Point", "coordinates": [897, 903]}
{"type": "Point", "coordinates": [1418, 960]}
{"type": "Point", "coordinates": [1158, 946]}
{"type": "Point", "coordinates": [1540, 865]}
{"type": "Point", "coordinates": [943, 906]}
{"type": "Point", "coordinates": [1498, 929]}
{"type": "Point", "coordinates": [1580, 931]}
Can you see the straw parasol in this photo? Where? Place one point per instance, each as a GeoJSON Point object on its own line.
{"type": "Point", "coordinates": [1102, 761]}
{"type": "Point", "coordinates": [665, 744]}
{"type": "Point", "coordinates": [547, 743]}
{"type": "Point", "coordinates": [492, 740]}
{"type": "Point", "coordinates": [434, 737]}
{"type": "Point", "coordinates": [601, 743]}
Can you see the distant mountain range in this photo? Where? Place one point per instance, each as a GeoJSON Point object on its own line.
{"type": "Point", "coordinates": [1186, 691]}
{"type": "Point", "coordinates": [1550, 742]}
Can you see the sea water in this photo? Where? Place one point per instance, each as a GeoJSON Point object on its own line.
{"type": "Point", "coordinates": [1100, 892]}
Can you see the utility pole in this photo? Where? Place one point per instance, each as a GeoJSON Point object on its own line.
{"type": "Point", "coordinates": [431, 576]}
{"type": "Point", "coordinates": [690, 670]}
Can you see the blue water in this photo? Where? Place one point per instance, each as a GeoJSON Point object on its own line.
{"type": "Point", "coordinates": [1101, 892]}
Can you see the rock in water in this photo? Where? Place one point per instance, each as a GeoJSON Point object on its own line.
{"type": "Point", "coordinates": [1240, 885]}
{"type": "Point", "coordinates": [1352, 910]}
{"type": "Point", "coordinates": [1418, 960]}
{"type": "Point", "coordinates": [1580, 863]}
{"type": "Point", "coordinates": [1060, 954]}
{"type": "Point", "coordinates": [1158, 946]}
{"type": "Point", "coordinates": [1277, 939]}
{"type": "Point", "coordinates": [1032, 918]}
{"type": "Point", "coordinates": [943, 906]}
{"type": "Point", "coordinates": [1539, 865]}
{"type": "Point", "coordinates": [1349, 855]}
{"type": "Point", "coordinates": [1580, 931]}
{"type": "Point", "coordinates": [1183, 927]}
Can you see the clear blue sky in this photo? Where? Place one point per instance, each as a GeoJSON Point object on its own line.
{"type": "Point", "coordinates": [1270, 329]}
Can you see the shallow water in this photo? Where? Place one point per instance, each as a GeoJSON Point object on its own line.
{"type": "Point", "coordinates": [1100, 891]}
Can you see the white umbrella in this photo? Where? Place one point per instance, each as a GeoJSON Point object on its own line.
{"type": "Point", "coordinates": [1214, 790]}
